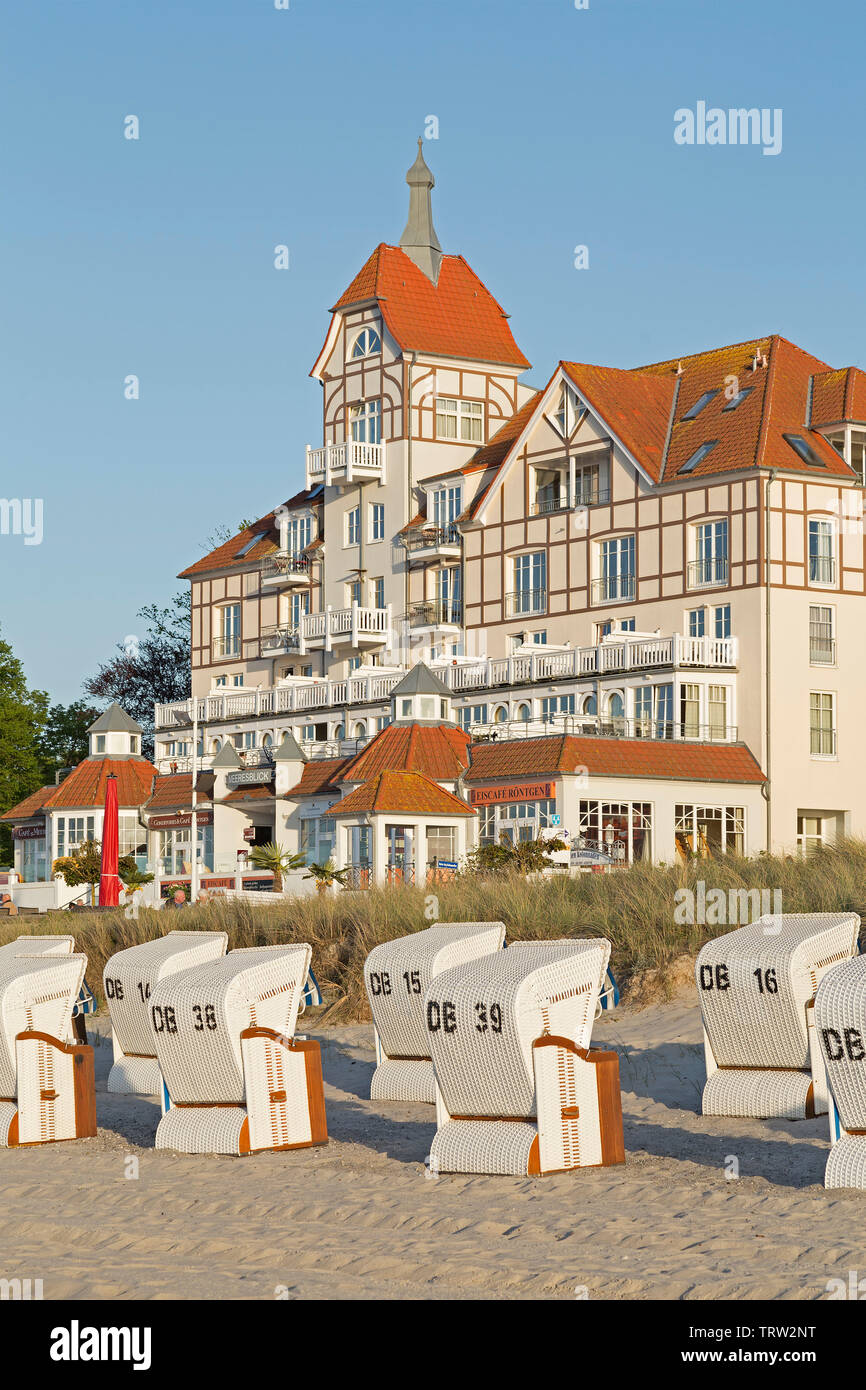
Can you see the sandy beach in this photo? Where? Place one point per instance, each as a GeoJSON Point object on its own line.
{"type": "Point", "coordinates": [360, 1218]}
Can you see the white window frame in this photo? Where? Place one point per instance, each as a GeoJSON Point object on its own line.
{"type": "Point", "coordinates": [376, 530]}
{"type": "Point", "coordinates": [467, 417]}
{"type": "Point", "coordinates": [352, 527]}
{"type": "Point", "coordinates": [369, 340]}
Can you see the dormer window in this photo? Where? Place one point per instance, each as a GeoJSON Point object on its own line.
{"type": "Point", "coordinates": [567, 412]}
{"type": "Point", "coordinates": [366, 344]}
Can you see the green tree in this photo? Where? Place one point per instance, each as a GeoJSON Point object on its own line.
{"type": "Point", "coordinates": [149, 670]}
{"type": "Point", "coordinates": [23, 715]}
{"type": "Point", "coordinates": [64, 742]}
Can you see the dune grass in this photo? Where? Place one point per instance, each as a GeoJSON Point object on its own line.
{"type": "Point", "coordinates": [635, 908]}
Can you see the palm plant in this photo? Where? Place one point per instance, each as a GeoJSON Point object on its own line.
{"type": "Point", "coordinates": [277, 860]}
{"type": "Point", "coordinates": [326, 874]}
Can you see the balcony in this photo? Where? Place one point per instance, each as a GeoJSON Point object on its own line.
{"type": "Point", "coordinates": [339, 464]}
{"type": "Point", "coordinates": [590, 497]}
{"type": "Point", "coordinates": [284, 570]}
{"type": "Point", "coordinates": [613, 588]}
{"type": "Point", "coordinates": [424, 543]}
{"type": "Point", "coordinates": [357, 626]}
{"type": "Point", "coordinates": [709, 573]}
{"type": "Point", "coordinates": [525, 603]}
{"type": "Point", "coordinates": [277, 641]}
{"type": "Point", "coordinates": [604, 726]}
{"type": "Point", "coordinates": [434, 613]}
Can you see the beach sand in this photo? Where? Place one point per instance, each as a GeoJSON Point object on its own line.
{"type": "Point", "coordinates": [359, 1218]}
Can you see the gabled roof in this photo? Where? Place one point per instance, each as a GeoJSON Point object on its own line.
{"type": "Point", "coordinates": [175, 789]}
{"type": "Point", "coordinates": [838, 395]}
{"type": "Point", "coordinates": [320, 777]}
{"type": "Point", "coordinates": [114, 720]}
{"type": "Point", "coordinates": [408, 792]}
{"type": "Point", "coordinates": [436, 750]}
{"type": "Point", "coordinates": [491, 457]}
{"type": "Point", "coordinates": [85, 786]}
{"type": "Point", "coordinates": [613, 757]}
{"type": "Point", "coordinates": [227, 757]}
{"type": "Point", "coordinates": [421, 681]}
{"type": "Point", "coordinates": [455, 317]}
{"type": "Point", "coordinates": [290, 751]}
{"type": "Point", "coordinates": [228, 554]}
{"type": "Point", "coordinates": [635, 407]}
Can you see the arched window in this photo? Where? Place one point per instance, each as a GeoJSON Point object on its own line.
{"type": "Point", "coordinates": [524, 713]}
{"type": "Point", "coordinates": [615, 706]}
{"type": "Point", "coordinates": [340, 731]}
{"type": "Point", "coordinates": [590, 705]}
{"type": "Point", "coordinates": [366, 343]}
{"type": "Point", "coordinates": [267, 741]}
{"type": "Point", "coordinates": [500, 714]}
{"type": "Point", "coordinates": [215, 745]}
{"type": "Point", "coordinates": [360, 729]}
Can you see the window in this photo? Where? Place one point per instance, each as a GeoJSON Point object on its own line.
{"type": "Point", "coordinates": [696, 617]}
{"type": "Point", "coordinates": [690, 710]}
{"type": "Point", "coordinates": [738, 398]}
{"type": "Point", "coordinates": [100, 743]}
{"type": "Point", "coordinates": [822, 724]}
{"type": "Point", "coordinates": [175, 849]}
{"type": "Point", "coordinates": [568, 411]}
{"type": "Point", "coordinates": [699, 404]}
{"type": "Point", "coordinates": [554, 707]}
{"type": "Point", "coordinates": [711, 551]}
{"type": "Point", "coordinates": [377, 521]}
{"type": "Point", "coordinates": [221, 680]}
{"type": "Point", "coordinates": [722, 620]}
{"type": "Point", "coordinates": [587, 489]}
{"type": "Point", "coordinates": [353, 664]}
{"type": "Point", "coordinates": [539, 639]}
{"type": "Point", "coordinates": [448, 595]}
{"type": "Point", "coordinates": [822, 562]}
{"type": "Point", "coordinates": [133, 743]}
{"type": "Point", "coordinates": [698, 456]}
{"type": "Point", "coordinates": [237, 680]}
{"type": "Point", "coordinates": [132, 837]}
{"type": "Point", "coordinates": [804, 450]}
{"type": "Point", "coordinates": [858, 459]}
{"type": "Point", "coordinates": [228, 641]}
{"type": "Point", "coordinates": [299, 533]}
{"type": "Point", "coordinates": [530, 584]}
{"type": "Point", "coordinates": [353, 526]}
{"type": "Point", "coordinates": [523, 820]}
{"type": "Point", "coordinates": [365, 422]}
{"type": "Point", "coordinates": [447, 504]}
{"type": "Point", "coordinates": [617, 570]}
{"type": "Point", "coordinates": [73, 831]}
{"type": "Point", "coordinates": [500, 714]}
{"type": "Point", "coordinates": [643, 711]}
{"type": "Point", "coordinates": [705, 830]}
{"type": "Point", "coordinates": [717, 708]}
{"type": "Point", "coordinates": [377, 593]}
{"type": "Point", "coordinates": [248, 545]}
{"type": "Point", "coordinates": [441, 844]}
{"type": "Point", "coordinates": [299, 604]}
{"type": "Point", "coordinates": [472, 714]}
{"type": "Point", "coordinates": [810, 833]}
{"type": "Point", "coordinates": [366, 343]}
{"type": "Point", "coordinates": [621, 831]}
{"type": "Point", "coordinates": [523, 713]}
{"type": "Point", "coordinates": [463, 420]}
{"type": "Point", "coordinates": [822, 644]}
{"type": "Point", "coordinates": [353, 593]}
{"type": "Point", "coordinates": [550, 490]}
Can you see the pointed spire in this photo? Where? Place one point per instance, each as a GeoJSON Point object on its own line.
{"type": "Point", "coordinates": [419, 239]}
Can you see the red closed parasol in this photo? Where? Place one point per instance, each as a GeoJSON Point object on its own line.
{"type": "Point", "coordinates": [109, 883]}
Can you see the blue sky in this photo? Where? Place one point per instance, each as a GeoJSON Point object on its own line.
{"type": "Point", "coordinates": [261, 127]}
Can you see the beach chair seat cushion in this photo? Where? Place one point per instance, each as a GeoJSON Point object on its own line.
{"type": "Point", "coordinates": [758, 1094]}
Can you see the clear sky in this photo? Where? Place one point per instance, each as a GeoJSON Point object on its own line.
{"type": "Point", "coordinates": [261, 127]}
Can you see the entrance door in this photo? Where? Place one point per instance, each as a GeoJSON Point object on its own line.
{"type": "Point", "coordinates": [400, 847]}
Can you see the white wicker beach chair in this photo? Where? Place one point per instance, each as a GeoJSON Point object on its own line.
{"type": "Point", "coordinates": [757, 989]}
{"type": "Point", "coordinates": [518, 1090]}
{"type": "Point", "coordinates": [840, 1026]}
{"type": "Point", "coordinates": [47, 1090]}
{"type": "Point", "coordinates": [238, 1079]}
{"type": "Point", "coordinates": [397, 975]}
{"type": "Point", "coordinates": [128, 980]}
{"type": "Point", "coordinates": [38, 946]}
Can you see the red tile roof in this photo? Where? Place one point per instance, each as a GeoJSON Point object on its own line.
{"type": "Point", "coordinates": [636, 407]}
{"type": "Point", "coordinates": [31, 805]}
{"type": "Point", "coordinates": [261, 792]}
{"type": "Point", "coordinates": [320, 777]}
{"type": "Point", "coordinates": [175, 789]}
{"type": "Point", "coordinates": [456, 317]}
{"type": "Point", "coordinates": [613, 757]}
{"type": "Point", "coordinates": [85, 786]}
{"type": "Point", "coordinates": [839, 395]}
{"type": "Point", "coordinates": [438, 751]}
{"type": "Point", "coordinates": [404, 792]}
{"type": "Point", "coordinates": [225, 556]}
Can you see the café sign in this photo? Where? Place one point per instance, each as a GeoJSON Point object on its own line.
{"type": "Point", "coordinates": [514, 791]}
{"type": "Point", "coordinates": [179, 822]}
{"type": "Point", "coordinates": [29, 832]}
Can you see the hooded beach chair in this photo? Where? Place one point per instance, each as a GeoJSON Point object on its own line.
{"type": "Point", "coordinates": [518, 1090]}
{"type": "Point", "coordinates": [397, 975]}
{"type": "Point", "coordinates": [237, 1078]}
{"type": "Point", "coordinates": [128, 980]}
{"type": "Point", "coordinates": [47, 1088]}
{"type": "Point", "coordinates": [840, 1026]}
{"type": "Point", "coordinates": [757, 990]}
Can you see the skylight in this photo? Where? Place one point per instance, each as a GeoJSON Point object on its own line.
{"type": "Point", "coordinates": [248, 545]}
{"type": "Point", "coordinates": [804, 449]}
{"type": "Point", "coordinates": [698, 457]}
{"type": "Point", "coordinates": [699, 405]}
{"type": "Point", "coordinates": [739, 398]}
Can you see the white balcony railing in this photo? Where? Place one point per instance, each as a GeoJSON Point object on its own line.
{"type": "Point", "coordinates": [356, 625]}
{"type": "Point", "coordinates": [343, 463]}
{"type": "Point", "coordinates": [639, 654]}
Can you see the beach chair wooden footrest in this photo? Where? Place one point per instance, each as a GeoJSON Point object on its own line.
{"type": "Point", "coordinates": [411, 1081]}
{"type": "Point", "coordinates": [56, 1089]}
{"type": "Point", "coordinates": [136, 1076]}
{"type": "Point", "coordinates": [759, 1095]}
{"type": "Point", "coordinates": [284, 1089]}
{"type": "Point", "coordinates": [846, 1164]}
{"type": "Point", "coordinates": [204, 1129]}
